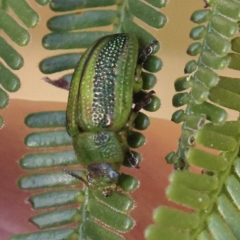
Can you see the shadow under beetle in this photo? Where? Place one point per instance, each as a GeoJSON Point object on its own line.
{"type": "Point", "coordinates": [99, 110]}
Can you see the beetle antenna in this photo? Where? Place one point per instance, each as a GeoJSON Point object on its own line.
{"type": "Point", "coordinates": [75, 175]}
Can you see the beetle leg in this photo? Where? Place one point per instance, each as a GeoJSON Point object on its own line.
{"type": "Point", "coordinates": [75, 175]}
{"type": "Point", "coordinates": [147, 51]}
{"type": "Point", "coordinates": [138, 106]}
{"type": "Point", "coordinates": [132, 160]}
{"type": "Point", "coordinates": [142, 57]}
{"type": "Point", "coordinates": [129, 157]}
{"type": "Point", "coordinates": [147, 99]}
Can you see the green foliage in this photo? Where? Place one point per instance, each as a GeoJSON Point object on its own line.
{"type": "Point", "coordinates": [116, 208]}
{"type": "Point", "coordinates": [66, 35]}
{"type": "Point", "coordinates": [18, 34]}
{"type": "Point", "coordinates": [95, 216]}
{"type": "Point", "coordinates": [213, 194]}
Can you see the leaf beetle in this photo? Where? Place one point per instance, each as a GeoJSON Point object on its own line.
{"type": "Point", "coordinates": [99, 109]}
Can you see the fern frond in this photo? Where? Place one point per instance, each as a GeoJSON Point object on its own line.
{"type": "Point", "coordinates": [18, 34]}
{"type": "Point", "coordinates": [96, 217]}
{"type": "Point", "coordinates": [68, 29]}
{"type": "Point", "coordinates": [89, 216]}
{"type": "Point", "coordinates": [213, 193]}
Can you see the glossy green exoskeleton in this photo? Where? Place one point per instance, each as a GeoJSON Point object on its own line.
{"type": "Point", "coordinates": [99, 110]}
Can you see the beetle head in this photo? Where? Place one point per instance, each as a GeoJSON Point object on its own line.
{"type": "Point", "coordinates": [103, 177]}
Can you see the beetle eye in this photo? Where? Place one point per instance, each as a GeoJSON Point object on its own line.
{"type": "Point", "coordinates": [114, 175]}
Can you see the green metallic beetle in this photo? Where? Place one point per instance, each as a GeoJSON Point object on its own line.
{"type": "Point", "coordinates": [99, 110]}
